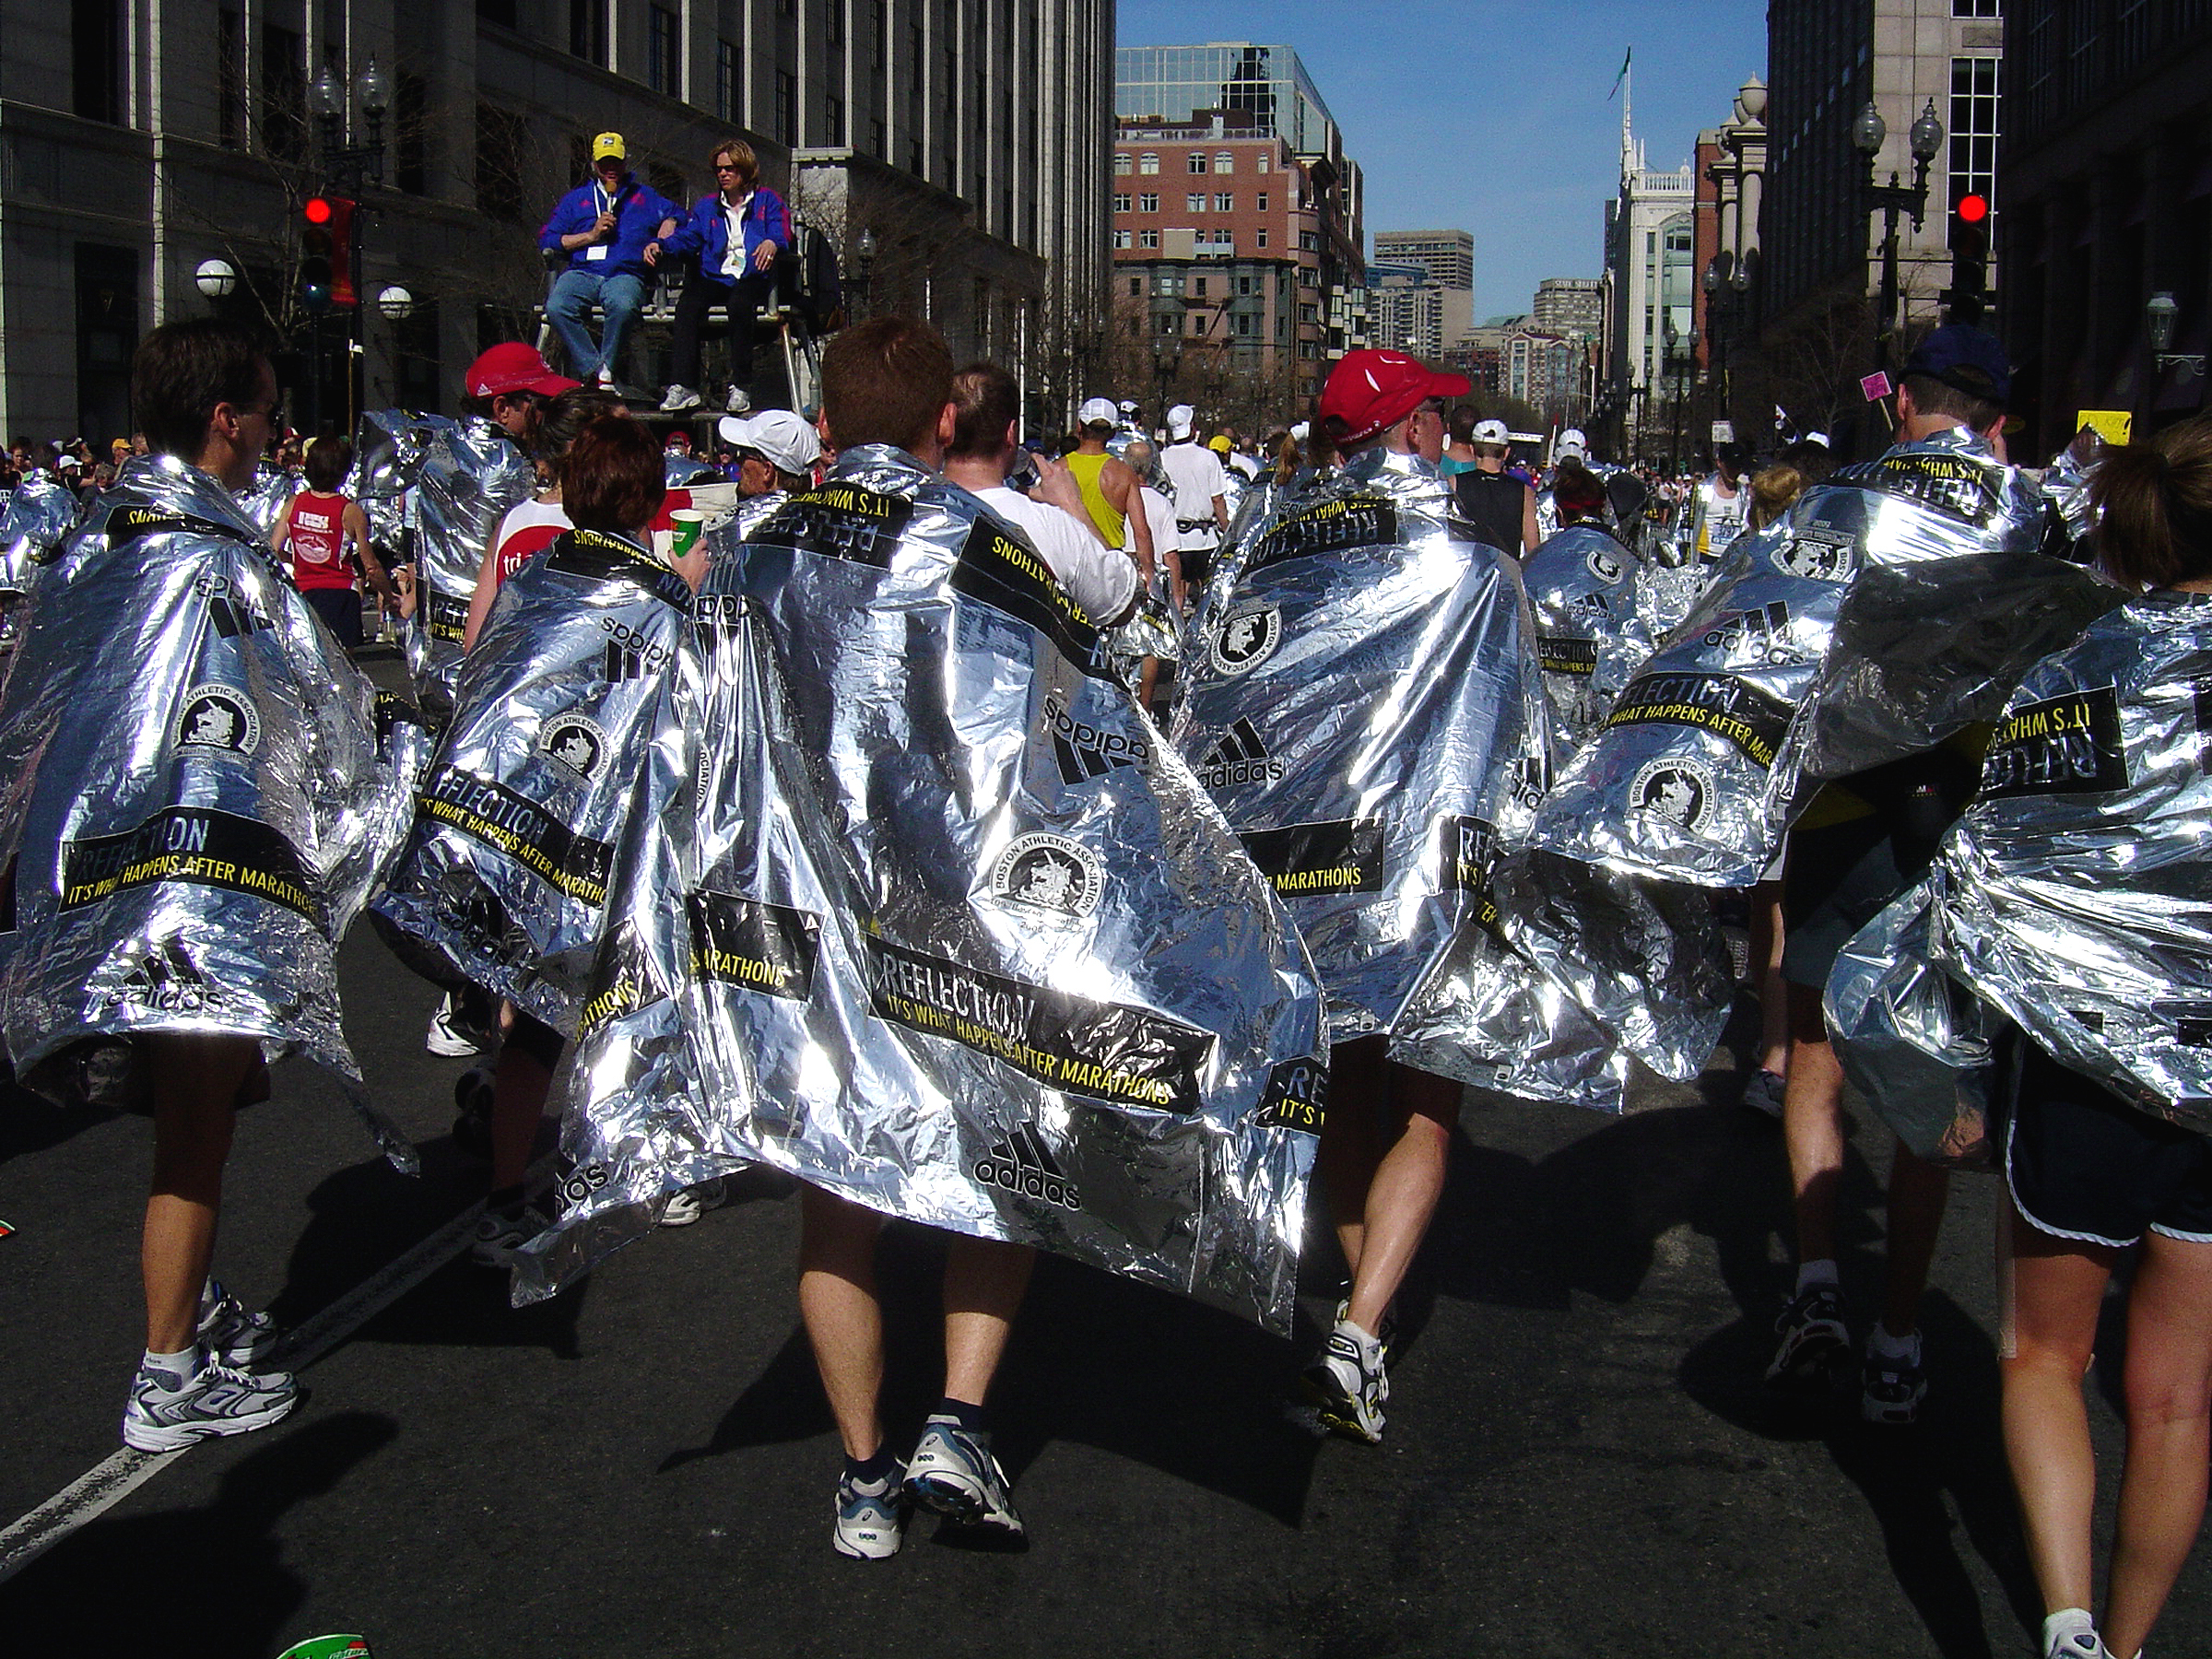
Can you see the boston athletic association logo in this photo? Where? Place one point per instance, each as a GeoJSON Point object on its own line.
{"type": "Point", "coordinates": [216, 717]}
{"type": "Point", "coordinates": [1678, 791]}
{"type": "Point", "coordinates": [1049, 873]}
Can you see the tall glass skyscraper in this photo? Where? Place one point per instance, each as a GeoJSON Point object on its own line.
{"type": "Point", "coordinates": [1267, 83]}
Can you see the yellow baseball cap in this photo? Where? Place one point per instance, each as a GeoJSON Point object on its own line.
{"type": "Point", "coordinates": [1218, 444]}
{"type": "Point", "coordinates": [609, 143]}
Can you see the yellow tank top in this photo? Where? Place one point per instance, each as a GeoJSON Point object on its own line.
{"type": "Point", "coordinates": [1086, 469]}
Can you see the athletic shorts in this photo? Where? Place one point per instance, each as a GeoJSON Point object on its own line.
{"type": "Point", "coordinates": [340, 609]}
{"type": "Point", "coordinates": [1834, 880]}
{"type": "Point", "coordinates": [2084, 1164]}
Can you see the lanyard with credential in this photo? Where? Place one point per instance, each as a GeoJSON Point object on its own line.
{"type": "Point", "coordinates": [602, 202]}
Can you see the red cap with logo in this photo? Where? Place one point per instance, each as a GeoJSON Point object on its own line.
{"type": "Point", "coordinates": [514, 367]}
{"type": "Point", "coordinates": [1372, 390]}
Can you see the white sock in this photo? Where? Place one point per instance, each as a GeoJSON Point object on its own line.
{"type": "Point", "coordinates": [2071, 1631]}
{"type": "Point", "coordinates": [1880, 1342]}
{"type": "Point", "coordinates": [175, 1370]}
{"type": "Point", "coordinates": [1817, 1273]}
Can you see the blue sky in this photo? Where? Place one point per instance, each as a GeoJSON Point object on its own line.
{"type": "Point", "coordinates": [1490, 115]}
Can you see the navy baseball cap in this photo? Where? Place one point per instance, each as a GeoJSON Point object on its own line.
{"type": "Point", "coordinates": [1967, 359]}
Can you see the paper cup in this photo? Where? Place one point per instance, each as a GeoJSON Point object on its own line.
{"type": "Point", "coordinates": [690, 525]}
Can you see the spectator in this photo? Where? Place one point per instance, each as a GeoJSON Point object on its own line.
{"type": "Point", "coordinates": [775, 449]}
{"type": "Point", "coordinates": [604, 226]}
{"type": "Point", "coordinates": [733, 241]}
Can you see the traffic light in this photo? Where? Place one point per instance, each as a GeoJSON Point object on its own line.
{"type": "Point", "coordinates": [326, 252]}
{"type": "Point", "coordinates": [1970, 258]}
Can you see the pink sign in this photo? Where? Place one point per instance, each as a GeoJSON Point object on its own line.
{"type": "Point", "coordinates": [1876, 386]}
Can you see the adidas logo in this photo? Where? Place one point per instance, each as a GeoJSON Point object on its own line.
{"type": "Point", "coordinates": [1020, 1164]}
{"type": "Point", "coordinates": [1084, 751]}
{"type": "Point", "coordinates": [623, 663]}
{"type": "Point", "coordinates": [228, 608]}
{"type": "Point", "coordinates": [166, 979]}
{"type": "Point", "coordinates": [1239, 758]}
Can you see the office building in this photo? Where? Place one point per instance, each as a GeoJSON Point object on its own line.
{"type": "Point", "coordinates": [971, 138]}
{"type": "Point", "coordinates": [1650, 280]}
{"type": "Point", "coordinates": [1570, 305]}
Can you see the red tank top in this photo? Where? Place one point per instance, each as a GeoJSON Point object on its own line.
{"type": "Point", "coordinates": [317, 541]}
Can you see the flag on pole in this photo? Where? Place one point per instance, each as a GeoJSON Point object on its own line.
{"type": "Point", "coordinates": [1624, 72]}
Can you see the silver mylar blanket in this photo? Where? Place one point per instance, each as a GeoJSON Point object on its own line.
{"type": "Point", "coordinates": [389, 449]}
{"type": "Point", "coordinates": [197, 798]}
{"type": "Point", "coordinates": [950, 932]}
{"type": "Point", "coordinates": [40, 512]}
{"type": "Point", "coordinates": [506, 874]}
{"type": "Point", "coordinates": [1581, 584]}
{"type": "Point", "coordinates": [1366, 707]}
{"type": "Point", "coordinates": [2066, 482]}
{"type": "Point", "coordinates": [1894, 604]}
{"type": "Point", "coordinates": [2076, 892]}
{"type": "Point", "coordinates": [472, 473]}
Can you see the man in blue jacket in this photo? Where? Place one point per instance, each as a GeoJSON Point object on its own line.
{"type": "Point", "coordinates": [738, 236]}
{"type": "Point", "coordinates": [604, 227]}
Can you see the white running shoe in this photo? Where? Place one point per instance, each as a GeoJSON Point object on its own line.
{"type": "Point", "coordinates": [232, 1333]}
{"type": "Point", "coordinates": [692, 1202]}
{"type": "Point", "coordinates": [679, 398]}
{"type": "Point", "coordinates": [450, 1036]}
{"type": "Point", "coordinates": [1348, 1386]}
{"type": "Point", "coordinates": [735, 401]}
{"type": "Point", "coordinates": [953, 1474]}
{"type": "Point", "coordinates": [167, 1413]}
{"type": "Point", "coordinates": [871, 1516]}
{"type": "Point", "coordinates": [503, 1232]}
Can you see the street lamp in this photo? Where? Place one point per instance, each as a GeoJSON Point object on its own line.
{"type": "Point", "coordinates": [1924, 137]}
{"type": "Point", "coordinates": [216, 278]}
{"type": "Point", "coordinates": [2159, 316]}
{"type": "Point", "coordinates": [396, 304]}
{"type": "Point", "coordinates": [863, 260]}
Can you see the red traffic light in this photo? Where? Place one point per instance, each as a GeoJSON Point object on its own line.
{"type": "Point", "coordinates": [1973, 209]}
{"type": "Point", "coordinates": [317, 210]}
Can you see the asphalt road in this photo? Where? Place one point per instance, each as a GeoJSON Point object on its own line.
{"type": "Point", "coordinates": [1580, 1462]}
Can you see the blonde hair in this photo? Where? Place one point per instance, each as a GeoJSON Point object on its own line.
{"type": "Point", "coordinates": [1774, 492]}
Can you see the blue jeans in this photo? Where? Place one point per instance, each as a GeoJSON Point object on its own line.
{"type": "Point", "coordinates": [569, 309]}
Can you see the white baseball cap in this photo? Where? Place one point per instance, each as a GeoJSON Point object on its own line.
{"type": "Point", "coordinates": [1181, 419]}
{"type": "Point", "coordinates": [1300, 432]}
{"type": "Point", "coordinates": [1572, 442]}
{"type": "Point", "coordinates": [1491, 431]}
{"type": "Point", "coordinates": [777, 436]}
{"type": "Point", "coordinates": [1097, 411]}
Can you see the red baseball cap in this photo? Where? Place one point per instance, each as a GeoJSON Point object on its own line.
{"type": "Point", "coordinates": [513, 367]}
{"type": "Point", "coordinates": [1371, 389]}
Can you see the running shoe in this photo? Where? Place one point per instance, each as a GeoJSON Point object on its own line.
{"type": "Point", "coordinates": [692, 1202]}
{"type": "Point", "coordinates": [953, 1474]}
{"type": "Point", "coordinates": [1890, 1389]}
{"type": "Point", "coordinates": [232, 1333]}
{"type": "Point", "coordinates": [1813, 1338]}
{"type": "Point", "coordinates": [2071, 1634]}
{"type": "Point", "coordinates": [678, 399]}
{"type": "Point", "coordinates": [451, 1035]}
{"type": "Point", "coordinates": [736, 401]}
{"type": "Point", "coordinates": [1348, 1386]}
{"type": "Point", "coordinates": [502, 1232]}
{"type": "Point", "coordinates": [1763, 1093]}
{"type": "Point", "coordinates": [871, 1515]}
{"type": "Point", "coordinates": [1386, 1333]}
{"type": "Point", "coordinates": [166, 1413]}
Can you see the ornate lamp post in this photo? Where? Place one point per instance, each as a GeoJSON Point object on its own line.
{"type": "Point", "coordinates": [1924, 137]}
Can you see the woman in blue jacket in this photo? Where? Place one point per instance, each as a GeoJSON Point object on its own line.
{"type": "Point", "coordinates": [738, 236]}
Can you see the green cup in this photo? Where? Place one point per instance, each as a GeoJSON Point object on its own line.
{"type": "Point", "coordinates": [689, 526]}
{"type": "Point", "coordinates": [328, 1647]}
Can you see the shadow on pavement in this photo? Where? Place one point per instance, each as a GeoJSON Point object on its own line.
{"type": "Point", "coordinates": [211, 1582]}
{"type": "Point", "coordinates": [29, 1123]}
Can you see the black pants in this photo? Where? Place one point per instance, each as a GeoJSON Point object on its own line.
{"type": "Point", "coordinates": [743, 299]}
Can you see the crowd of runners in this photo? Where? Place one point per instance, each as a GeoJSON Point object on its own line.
{"type": "Point", "coordinates": [1382, 600]}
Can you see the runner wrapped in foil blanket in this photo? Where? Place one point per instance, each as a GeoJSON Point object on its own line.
{"type": "Point", "coordinates": [2066, 482]}
{"type": "Point", "coordinates": [1582, 583]}
{"type": "Point", "coordinates": [472, 473]}
{"type": "Point", "coordinates": [2075, 894]}
{"type": "Point", "coordinates": [505, 876]}
{"type": "Point", "coordinates": [949, 932]}
{"type": "Point", "coordinates": [198, 796]}
{"type": "Point", "coordinates": [38, 512]}
{"type": "Point", "coordinates": [1895, 603]}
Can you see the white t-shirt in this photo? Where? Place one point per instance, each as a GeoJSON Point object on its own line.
{"type": "Point", "coordinates": [1098, 578]}
{"type": "Point", "coordinates": [1159, 518]}
{"type": "Point", "coordinates": [1195, 471]}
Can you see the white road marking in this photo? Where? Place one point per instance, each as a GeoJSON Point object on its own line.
{"type": "Point", "coordinates": [103, 1486]}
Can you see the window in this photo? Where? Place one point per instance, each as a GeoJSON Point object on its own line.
{"type": "Point", "coordinates": [1167, 323]}
{"type": "Point", "coordinates": [1309, 242]}
{"type": "Point", "coordinates": [879, 140]}
{"type": "Point", "coordinates": [96, 58]}
{"type": "Point", "coordinates": [879, 32]}
{"type": "Point", "coordinates": [1121, 239]}
{"type": "Point", "coordinates": [231, 78]}
{"type": "Point", "coordinates": [1976, 8]}
{"type": "Point", "coordinates": [833, 25]}
{"type": "Point", "coordinates": [1973, 126]}
{"type": "Point", "coordinates": [1121, 201]}
{"type": "Point", "coordinates": [587, 30]}
{"type": "Point", "coordinates": [1261, 235]}
{"type": "Point", "coordinates": [729, 75]}
{"type": "Point", "coordinates": [1136, 285]}
{"type": "Point", "coordinates": [1244, 285]}
{"type": "Point", "coordinates": [1260, 162]}
{"type": "Point", "coordinates": [1195, 160]}
{"type": "Point", "coordinates": [833, 119]}
{"type": "Point", "coordinates": [1120, 161]}
{"type": "Point", "coordinates": [1263, 201]}
{"type": "Point", "coordinates": [1198, 287]}
{"type": "Point", "coordinates": [1195, 202]}
{"type": "Point", "coordinates": [1225, 203]}
{"type": "Point", "coordinates": [1149, 202]}
{"type": "Point", "coordinates": [664, 51]}
{"type": "Point", "coordinates": [1309, 313]}
{"type": "Point", "coordinates": [1148, 238]}
{"type": "Point", "coordinates": [1226, 161]}
{"type": "Point", "coordinates": [283, 91]}
{"type": "Point", "coordinates": [1149, 162]}
{"type": "Point", "coordinates": [787, 108]}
